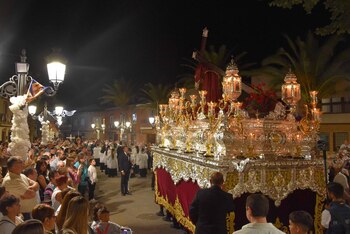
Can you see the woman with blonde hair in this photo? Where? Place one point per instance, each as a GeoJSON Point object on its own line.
{"type": "Point", "coordinates": [77, 224]}
{"type": "Point", "coordinates": [61, 216]}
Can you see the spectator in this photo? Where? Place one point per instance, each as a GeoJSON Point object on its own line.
{"type": "Point", "coordinates": [56, 197]}
{"type": "Point", "coordinates": [50, 187]}
{"type": "Point", "coordinates": [10, 208]}
{"type": "Point", "coordinates": [31, 173]}
{"type": "Point", "coordinates": [45, 214]}
{"type": "Point", "coordinates": [63, 210]}
{"type": "Point", "coordinates": [300, 222]}
{"type": "Point", "coordinates": [41, 169]}
{"type": "Point", "coordinates": [92, 178]}
{"type": "Point", "coordinates": [210, 206]}
{"type": "Point", "coordinates": [105, 226]}
{"type": "Point", "coordinates": [74, 223]}
{"type": "Point", "coordinates": [326, 216]}
{"type": "Point", "coordinates": [21, 186]}
{"type": "Point", "coordinates": [257, 208]}
{"type": "Point", "coordinates": [340, 212]}
{"type": "Point", "coordinates": [82, 172]}
{"type": "Point", "coordinates": [95, 219]}
{"type": "Point", "coordinates": [31, 226]}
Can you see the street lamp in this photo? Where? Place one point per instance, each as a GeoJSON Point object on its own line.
{"type": "Point", "coordinates": [20, 95]}
{"type": "Point", "coordinates": [151, 120]}
{"type": "Point", "coordinates": [122, 126]}
{"type": "Point", "coordinates": [98, 128]}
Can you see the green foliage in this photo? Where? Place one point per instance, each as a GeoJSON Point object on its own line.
{"type": "Point", "coordinates": [120, 93]}
{"type": "Point", "coordinates": [340, 17]}
{"type": "Point", "coordinates": [318, 66]}
{"type": "Point", "coordinates": [154, 95]}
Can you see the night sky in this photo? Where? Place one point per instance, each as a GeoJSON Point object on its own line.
{"type": "Point", "coordinates": [144, 41]}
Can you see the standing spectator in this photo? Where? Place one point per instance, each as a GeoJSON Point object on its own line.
{"type": "Point", "coordinates": [77, 224]}
{"type": "Point", "coordinates": [143, 162]}
{"type": "Point", "coordinates": [31, 173]}
{"type": "Point", "coordinates": [125, 167]}
{"type": "Point", "coordinates": [21, 186]}
{"type": "Point", "coordinates": [45, 214]}
{"type": "Point", "coordinates": [10, 208]}
{"type": "Point", "coordinates": [4, 156]}
{"type": "Point", "coordinates": [210, 206]}
{"type": "Point", "coordinates": [82, 173]}
{"type": "Point", "coordinates": [61, 216]}
{"type": "Point", "coordinates": [56, 197]}
{"type": "Point", "coordinates": [300, 222]}
{"type": "Point", "coordinates": [41, 169]}
{"type": "Point", "coordinates": [92, 179]}
{"type": "Point", "coordinates": [105, 226]}
{"type": "Point", "coordinates": [50, 187]}
{"type": "Point", "coordinates": [340, 212]}
{"type": "Point", "coordinates": [257, 208]}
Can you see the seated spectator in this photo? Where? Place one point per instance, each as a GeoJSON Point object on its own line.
{"type": "Point", "coordinates": [45, 214]}
{"type": "Point", "coordinates": [104, 225]}
{"type": "Point", "coordinates": [31, 226]}
{"type": "Point", "coordinates": [74, 223]}
{"type": "Point", "coordinates": [340, 212]}
{"type": "Point", "coordinates": [300, 222]}
{"type": "Point", "coordinates": [10, 208]}
{"type": "Point", "coordinates": [61, 216]}
{"type": "Point", "coordinates": [257, 208]}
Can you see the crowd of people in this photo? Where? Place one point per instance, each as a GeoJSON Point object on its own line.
{"type": "Point", "coordinates": [43, 191]}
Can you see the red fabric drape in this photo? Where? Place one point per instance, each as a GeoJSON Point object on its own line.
{"type": "Point", "coordinates": [209, 81]}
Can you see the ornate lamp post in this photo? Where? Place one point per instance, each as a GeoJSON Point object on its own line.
{"type": "Point", "coordinates": [16, 89]}
{"type": "Point", "coordinates": [98, 128]}
{"type": "Point", "coordinates": [122, 126]}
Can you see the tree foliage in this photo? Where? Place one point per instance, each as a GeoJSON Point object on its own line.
{"type": "Point", "coordinates": [154, 95]}
{"type": "Point", "coordinates": [339, 10]}
{"type": "Point", "coordinates": [318, 66]}
{"type": "Point", "coordinates": [120, 93]}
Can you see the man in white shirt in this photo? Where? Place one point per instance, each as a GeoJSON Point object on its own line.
{"type": "Point", "coordinates": [257, 208]}
{"type": "Point", "coordinates": [21, 186]}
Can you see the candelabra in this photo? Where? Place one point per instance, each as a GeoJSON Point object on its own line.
{"type": "Point", "coordinates": [224, 130]}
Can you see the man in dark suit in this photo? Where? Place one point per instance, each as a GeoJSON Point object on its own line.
{"type": "Point", "coordinates": [210, 206]}
{"type": "Point", "coordinates": [125, 166]}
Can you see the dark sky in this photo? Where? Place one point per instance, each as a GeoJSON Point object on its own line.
{"type": "Point", "coordinates": [144, 41]}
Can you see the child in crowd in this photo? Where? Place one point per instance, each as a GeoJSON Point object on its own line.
{"type": "Point", "coordinates": [105, 226]}
{"type": "Point", "coordinates": [92, 178]}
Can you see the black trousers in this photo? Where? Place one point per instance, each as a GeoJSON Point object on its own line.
{"type": "Point", "coordinates": [124, 183]}
{"type": "Point", "coordinates": [91, 190]}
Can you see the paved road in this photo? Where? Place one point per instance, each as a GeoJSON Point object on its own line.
{"type": "Point", "coordinates": [137, 211]}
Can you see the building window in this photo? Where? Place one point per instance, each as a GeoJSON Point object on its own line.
{"type": "Point", "coordinates": [82, 122]}
{"type": "Point", "coordinates": [111, 121]}
{"type": "Point", "coordinates": [338, 139]}
{"type": "Point", "coordinates": [336, 105]}
{"type": "Point", "coordinates": [134, 118]}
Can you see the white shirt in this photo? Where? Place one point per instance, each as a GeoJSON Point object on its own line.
{"type": "Point", "coordinates": [92, 174]}
{"type": "Point", "coordinates": [325, 218]}
{"type": "Point", "coordinates": [259, 228]}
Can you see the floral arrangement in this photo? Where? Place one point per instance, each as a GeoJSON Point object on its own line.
{"type": "Point", "coordinates": [261, 100]}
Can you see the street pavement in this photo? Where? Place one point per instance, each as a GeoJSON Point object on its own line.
{"type": "Point", "coordinates": [137, 211]}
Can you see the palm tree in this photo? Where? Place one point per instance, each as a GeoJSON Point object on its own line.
{"type": "Point", "coordinates": [120, 93]}
{"type": "Point", "coordinates": [318, 66]}
{"type": "Point", "coordinates": [153, 95]}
